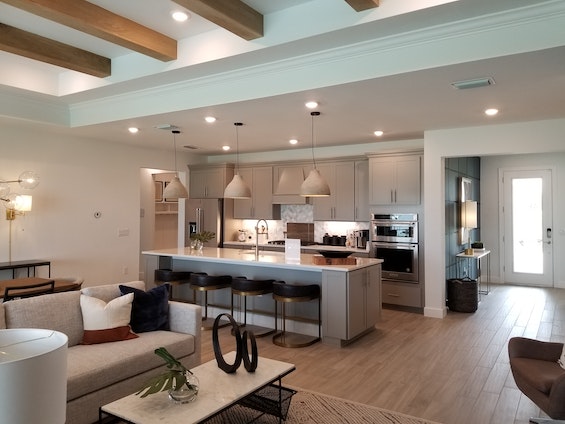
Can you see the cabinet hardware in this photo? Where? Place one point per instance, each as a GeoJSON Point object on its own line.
{"type": "Point", "coordinates": [393, 295]}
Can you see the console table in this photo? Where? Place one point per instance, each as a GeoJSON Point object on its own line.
{"type": "Point", "coordinates": [477, 257]}
{"type": "Point", "coordinates": [29, 264]}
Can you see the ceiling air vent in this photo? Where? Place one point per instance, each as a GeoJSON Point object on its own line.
{"type": "Point", "coordinates": [473, 83]}
{"type": "Point", "coordinates": [190, 147]}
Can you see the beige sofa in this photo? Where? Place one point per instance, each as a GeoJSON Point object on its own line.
{"type": "Point", "coordinates": [101, 373]}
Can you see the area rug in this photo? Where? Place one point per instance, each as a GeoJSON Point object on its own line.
{"type": "Point", "coordinates": [316, 408]}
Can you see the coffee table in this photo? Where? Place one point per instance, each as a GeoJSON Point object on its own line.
{"type": "Point", "coordinates": [218, 391]}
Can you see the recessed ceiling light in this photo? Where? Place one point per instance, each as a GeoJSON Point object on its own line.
{"type": "Point", "coordinates": [226, 148]}
{"type": "Point", "coordinates": [293, 141]}
{"type": "Point", "coordinates": [378, 133]}
{"type": "Point", "coordinates": [180, 16]}
{"type": "Point", "coordinates": [210, 119]}
{"type": "Point", "coordinates": [133, 130]}
{"type": "Point", "coordinates": [491, 112]}
{"type": "Point", "coordinates": [311, 105]}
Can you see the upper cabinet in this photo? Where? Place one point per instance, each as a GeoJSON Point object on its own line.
{"type": "Point", "coordinates": [209, 181]}
{"type": "Point", "coordinates": [394, 180]}
{"type": "Point", "coordinates": [260, 206]}
{"type": "Point", "coordinates": [340, 205]}
{"type": "Point", "coordinates": [362, 212]}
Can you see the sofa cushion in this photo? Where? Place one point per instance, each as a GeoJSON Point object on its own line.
{"type": "Point", "coordinates": [106, 322]}
{"type": "Point", "coordinates": [110, 291]}
{"type": "Point", "coordinates": [150, 309]}
{"type": "Point", "coordinates": [537, 373]}
{"type": "Point", "coordinates": [58, 311]}
{"type": "Point", "coordinates": [94, 367]}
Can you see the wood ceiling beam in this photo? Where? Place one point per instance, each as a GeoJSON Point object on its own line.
{"type": "Point", "coordinates": [360, 5]}
{"type": "Point", "coordinates": [233, 15]}
{"type": "Point", "coordinates": [94, 20]}
{"type": "Point", "coordinates": [35, 47]}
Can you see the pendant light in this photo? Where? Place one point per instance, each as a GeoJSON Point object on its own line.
{"type": "Point", "coordinates": [314, 185]}
{"type": "Point", "coordinates": [175, 189]}
{"type": "Point", "coordinates": [237, 188]}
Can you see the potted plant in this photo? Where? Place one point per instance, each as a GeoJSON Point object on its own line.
{"type": "Point", "coordinates": [200, 238]}
{"type": "Point", "coordinates": [180, 382]}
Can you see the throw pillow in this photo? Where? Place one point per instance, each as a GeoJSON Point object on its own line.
{"type": "Point", "coordinates": [150, 309]}
{"type": "Point", "coordinates": [106, 322]}
{"type": "Point", "coordinates": [561, 360]}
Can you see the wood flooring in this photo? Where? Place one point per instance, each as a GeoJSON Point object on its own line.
{"type": "Point", "coordinates": [453, 370]}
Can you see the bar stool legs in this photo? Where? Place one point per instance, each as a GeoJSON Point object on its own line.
{"type": "Point", "coordinates": [203, 282]}
{"type": "Point", "coordinates": [243, 287]}
{"type": "Point", "coordinates": [173, 278]}
{"type": "Point", "coordinates": [288, 293]}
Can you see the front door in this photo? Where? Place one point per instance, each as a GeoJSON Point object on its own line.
{"type": "Point", "coordinates": [527, 227]}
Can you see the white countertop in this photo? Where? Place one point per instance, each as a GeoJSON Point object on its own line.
{"type": "Point", "coordinates": [265, 258]}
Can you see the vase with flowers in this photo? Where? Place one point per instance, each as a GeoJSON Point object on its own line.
{"type": "Point", "coordinates": [197, 240]}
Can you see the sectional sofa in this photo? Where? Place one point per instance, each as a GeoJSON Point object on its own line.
{"type": "Point", "coordinates": [105, 371]}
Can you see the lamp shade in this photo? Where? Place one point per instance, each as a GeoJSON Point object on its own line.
{"type": "Point", "coordinates": [22, 203]}
{"type": "Point", "coordinates": [469, 215]}
{"type": "Point", "coordinates": [175, 190]}
{"type": "Point", "coordinates": [314, 185]}
{"type": "Point", "coordinates": [33, 376]}
{"type": "Point", "coordinates": [237, 189]}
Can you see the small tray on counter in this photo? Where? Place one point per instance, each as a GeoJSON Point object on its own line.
{"type": "Point", "coordinates": [321, 260]}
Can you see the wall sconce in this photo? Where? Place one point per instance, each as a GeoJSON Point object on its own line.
{"type": "Point", "coordinates": [469, 221]}
{"type": "Point", "coordinates": [17, 204]}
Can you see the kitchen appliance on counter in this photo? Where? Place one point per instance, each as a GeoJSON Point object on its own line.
{"type": "Point", "coordinates": [361, 238]}
{"type": "Point", "coordinates": [394, 238]}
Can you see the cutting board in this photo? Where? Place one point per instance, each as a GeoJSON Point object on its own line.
{"type": "Point", "coordinates": [320, 260]}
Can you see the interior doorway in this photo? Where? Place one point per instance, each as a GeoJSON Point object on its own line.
{"type": "Point", "coordinates": [526, 223]}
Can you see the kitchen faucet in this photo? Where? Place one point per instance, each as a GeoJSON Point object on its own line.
{"type": "Point", "coordinates": [264, 230]}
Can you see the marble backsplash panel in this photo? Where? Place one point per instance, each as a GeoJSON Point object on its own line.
{"type": "Point", "coordinates": [305, 214]}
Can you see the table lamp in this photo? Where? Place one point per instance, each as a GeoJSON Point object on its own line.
{"type": "Point", "coordinates": [469, 221]}
{"type": "Point", "coordinates": [33, 376]}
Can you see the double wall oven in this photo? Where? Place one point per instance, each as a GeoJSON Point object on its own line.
{"type": "Point", "coordinates": [394, 238]}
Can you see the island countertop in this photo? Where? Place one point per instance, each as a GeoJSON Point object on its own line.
{"type": "Point", "coordinates": [264, 259]}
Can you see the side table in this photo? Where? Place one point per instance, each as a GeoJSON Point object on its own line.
{"type": "Point", "coordinates": [476, 259]}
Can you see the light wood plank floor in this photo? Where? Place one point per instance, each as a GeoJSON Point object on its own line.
{"type": "Point", "coordinates": [453, 370]}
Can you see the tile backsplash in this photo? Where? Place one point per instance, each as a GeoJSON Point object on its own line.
{"type": "Point", "coordinates": [304, 214]}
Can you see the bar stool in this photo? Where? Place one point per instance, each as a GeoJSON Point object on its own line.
{"type": "Point", "coordinates": [203, 282]}
{"type": "Point", "coordinates": [287, 293]}
{"type": "Point", "coordinates": [244, 287]}
{"type": "Point", "coordinates": [174, 278]}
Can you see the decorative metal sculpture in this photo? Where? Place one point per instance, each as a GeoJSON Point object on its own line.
{"type": "Point", "coordinates": [242, 350]}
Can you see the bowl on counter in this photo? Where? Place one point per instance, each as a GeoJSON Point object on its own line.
{"type": "Point", "coordinates": [334, 253]}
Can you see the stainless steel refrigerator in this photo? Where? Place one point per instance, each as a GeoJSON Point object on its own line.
{"type": "Point", "coordinates": [205, 215]}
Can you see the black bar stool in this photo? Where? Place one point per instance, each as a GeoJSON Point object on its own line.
{"type": "Point", "coordinates": [174, 278]}
{"type": "Point", "coordinates": [244, 287]}
{"type": "Point", "coordinates": [287, 293]}
{"type": "Point", "coordinates": [203, 282]}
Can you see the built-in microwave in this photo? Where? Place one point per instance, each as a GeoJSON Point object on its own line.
{"type": "Point", "coordinates": [394, 228]}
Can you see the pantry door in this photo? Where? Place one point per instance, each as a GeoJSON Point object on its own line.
{"type": "Point", "coordinates": [527, 227]}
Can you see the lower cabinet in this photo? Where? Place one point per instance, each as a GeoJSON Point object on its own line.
{"type": "Point", "coordinates": [343, 321]}
{"type": "Point", "coordinates": [402, 294]}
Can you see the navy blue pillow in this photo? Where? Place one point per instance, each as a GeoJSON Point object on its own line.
{"type": "Point", "coordinates": [150, 309]}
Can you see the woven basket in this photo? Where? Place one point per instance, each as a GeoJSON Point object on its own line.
{"type": "Point", "coordinates": [462, 295]}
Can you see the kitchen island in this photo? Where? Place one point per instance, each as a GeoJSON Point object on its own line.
{"type": "Point", "coordinates": [351, 294]}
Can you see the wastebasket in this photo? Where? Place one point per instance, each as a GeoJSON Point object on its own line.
{"type": "Point", "coordinates": [462, 295]}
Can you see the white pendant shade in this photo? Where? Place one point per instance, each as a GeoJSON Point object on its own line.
{"type": "Point", "coordinates": [314, 185]}
{"type": "Point", "coordinates": [175, 190]}
{"type": "Point", "coordinates": [237, 189]}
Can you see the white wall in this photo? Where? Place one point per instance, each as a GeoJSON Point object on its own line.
{"type": "Point", "coordinates": [522, 138]}
{"type": "Point", "coordinates": [78, 178]}
{"type": "Point", "coordinates": [490, 228]}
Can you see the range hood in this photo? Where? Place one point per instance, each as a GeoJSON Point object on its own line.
{"type": "Point", "coordinates": [288, 182]}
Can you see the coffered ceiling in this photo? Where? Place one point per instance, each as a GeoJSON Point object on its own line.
{"type": "Point", "coordinates": [93, 68]}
